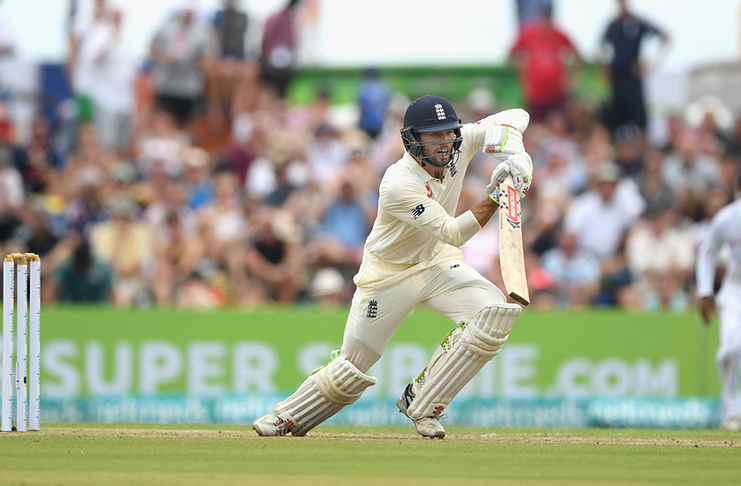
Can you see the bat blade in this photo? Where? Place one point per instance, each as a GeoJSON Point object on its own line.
{"type": "Point", "coordinates": [511, 253]}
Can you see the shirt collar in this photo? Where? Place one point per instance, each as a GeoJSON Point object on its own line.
{"type": "Point", "coordinates": [418, 170]}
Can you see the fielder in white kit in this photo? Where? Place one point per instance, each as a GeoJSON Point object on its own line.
{"type": "Point", "coordinates": [724, 229]}
{"type": "Point", "coordinates": [411, 257]}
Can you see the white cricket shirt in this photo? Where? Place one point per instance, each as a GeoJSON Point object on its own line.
{"type": "Point", "coordinates": [416, 225]}
{"type": "Point", "coordinates": [724, 229]}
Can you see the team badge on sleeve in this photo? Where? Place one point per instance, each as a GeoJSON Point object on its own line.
{"type": "Point", "coordinates": [416, 212]}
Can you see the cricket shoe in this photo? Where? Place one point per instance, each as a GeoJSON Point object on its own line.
{"type": "Point", "coordinates": [732, 424]}
{"type": "Point", "coordinates": [271, 425]}
{"type": "Point", "coordinates": [426, 426]}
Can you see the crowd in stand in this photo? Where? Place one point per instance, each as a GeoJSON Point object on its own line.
{"type": "Point", "coordinates": [197, 184]}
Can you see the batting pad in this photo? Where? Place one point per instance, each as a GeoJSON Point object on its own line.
{"type": "Point", "coordinates": [480, 340]}
{"type": "Point", "coordinates": [322, 395]}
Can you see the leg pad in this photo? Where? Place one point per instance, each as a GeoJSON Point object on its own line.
{"type": "Point", "coordinates": [452, 368]}
{"type": "Point", "coordinates": [322, 395]}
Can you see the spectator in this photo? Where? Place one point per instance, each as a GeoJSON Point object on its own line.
{"type": "Point", "coordinates": [83, 277]}
{"type": "Point", "coordinates": [87, 156]}
{"type": "Point", "coordinates": [87, 209]}
{"type": "Point", "coordinates": [278, 58]}
{"type": "Point", "coordinates": [574, 273]}
{"type": "Point", "coordinates": [329, 288]}
{"type": "Point", "coordinates": [270, 267]}
{"type": "Point", "coordinates": [241, 151]}
{"type": "Point", "coordinates": [539, 53]}
{"type": "Point", "coordinates": [623, 37]}
{"type": "Point", "coordinates": [279, 150]}
{"type": "Point", "coordinates": [198, 180]}
{"type": "Point", "coordinates": [652, 186]}
{"type": "Point", "coordinates": [675, 127]}
{"type": "Point", "coordinates": [38, 162]}
{"type": "Point", "coordinates": [374, 96]}
{"type": "Point", "coordinates": [89, 42]}
{"type": "Point", "coordinates": [690, 174]}
{"type": "Point", "coordinates": [105, 75]}
{"type": "Point", "coordinates": [236, 75]}
{"type": "Point", "coordinates": [178, 253]}
{"type": "Point", "coordinates": [600, 219]}
{"type": "Point", "coordinates": [222, 222]}
{"type": "Point", "coordinates": [162, 144]}
{"type": "Point", "coordinates": [660, 255]}
{"type": "Point", "coordinates": [326, 155]}
{"type": "Point", "coordinates": [181, 51]}
{"type": "Point", "coordinates": [284, 187]}
{"type": "Point", "coordinates": [343, 226]}
{"type": "Point", "coordinates": [125, 243]}
{"type": "Point", "coordinates": [630, 147]}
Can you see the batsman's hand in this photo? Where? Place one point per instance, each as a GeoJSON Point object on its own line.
{"type": "Point", "coordinates": [501, 141]}
{"type": "Point", "coordinates": [707, 309]}
{"type": "Point", "coordinates": [521, 168]}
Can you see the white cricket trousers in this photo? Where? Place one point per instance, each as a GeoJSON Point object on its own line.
{"type": "Point", "coordinates": [729, 359]}
{"type": "Point", "coordinates": [450, 288]}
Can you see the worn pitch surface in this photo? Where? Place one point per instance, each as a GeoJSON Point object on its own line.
{"type": "Point", "coordinates": [224, 455]}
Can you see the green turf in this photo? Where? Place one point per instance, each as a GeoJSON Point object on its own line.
{"type": "Point", "coordinates": [225, 455]}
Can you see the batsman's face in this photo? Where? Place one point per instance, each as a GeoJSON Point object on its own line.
{"type": "Point", "coordinates": [438, 145]}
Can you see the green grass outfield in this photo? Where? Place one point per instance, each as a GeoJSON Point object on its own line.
{"type": "Point", "coordinates": [86, 454]}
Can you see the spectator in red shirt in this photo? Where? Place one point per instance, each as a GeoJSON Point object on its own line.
{"type": "Point", "coordinates": [540, 55]}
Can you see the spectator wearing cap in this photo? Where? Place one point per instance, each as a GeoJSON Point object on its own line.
{"type": "Point", "coordinates": [690, 173]}
{"type": "Point", "coordinates": [660, 254]}
{"type": "Point", "coordinates": [326, 154]}
{"type": "Point", "coordinates": [126, 244]}
{"type": "Point", "coordinates": [328, 288]}
{"type": "Point", "coordinates": [601, 218]}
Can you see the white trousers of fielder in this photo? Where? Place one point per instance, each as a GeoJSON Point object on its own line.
{"type": "Point", "coordinates": [728, 359]}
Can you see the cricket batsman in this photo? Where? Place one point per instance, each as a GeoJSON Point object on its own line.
{"type": "Point", "coordinates": [411, 257]}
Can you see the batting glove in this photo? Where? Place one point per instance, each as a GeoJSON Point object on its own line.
{"type": "Point", "coordinates": [497, 177]}
{"type": "Point", "coordinates": [521, 168]}
{"type": "Point", "coordinates": [501, 142]}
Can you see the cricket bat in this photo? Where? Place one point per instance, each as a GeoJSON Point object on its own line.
{"type": "Point", "coordinates": [511, 253]}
